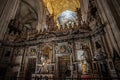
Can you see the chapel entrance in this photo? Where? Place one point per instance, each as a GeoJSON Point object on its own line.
{"type": "Point", "coordinates": [64, 66]}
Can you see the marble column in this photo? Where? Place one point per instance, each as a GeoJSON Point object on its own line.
{"type": "Point", "coordinates": [112, 32]}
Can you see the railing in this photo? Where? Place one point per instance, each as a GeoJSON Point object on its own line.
{"type": "Point", "coordinates": [37, 78]}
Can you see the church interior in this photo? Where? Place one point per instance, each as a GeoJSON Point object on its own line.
{"type": "Point", "coordinates": [59, 39]}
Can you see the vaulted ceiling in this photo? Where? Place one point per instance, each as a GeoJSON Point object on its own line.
{"type": "Point", "coordinates": [56, 7]}
{"type": "Point", "coordinates": [31, 16]}
{"type": "Point", "coordinates": [33, 20]}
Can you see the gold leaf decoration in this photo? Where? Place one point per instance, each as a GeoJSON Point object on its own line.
{"type": "Point", "coordinates": [56, 7]}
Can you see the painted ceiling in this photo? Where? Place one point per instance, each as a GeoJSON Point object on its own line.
{"type": "Point", "coordinates": [56, 7]}
{"type": "Point", "coordinates": [67, 17]}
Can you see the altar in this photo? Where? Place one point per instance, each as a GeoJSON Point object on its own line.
{"type": "Point", "coordinates": [42, 76]}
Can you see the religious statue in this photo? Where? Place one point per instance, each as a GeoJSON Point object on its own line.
{"type": "Point", "coordinates": [44, 68]}
{"type": "Point", "coordinates": [84, 68]}
{"type": "Point", "coordinates": [50, 22]}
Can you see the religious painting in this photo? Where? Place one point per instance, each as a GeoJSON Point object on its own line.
{"type": "Point", "coordinates": [62, 49]}
{"type": "Point", "coordinates": [47, 52]}
{"type": "Point", "coordinates": [80, 55]}
{"type": "Point", "coordinates": [65, 48]}
{"type": "Point", "coordinates": [98, 44]}
{"type": "Point", "coordinates": [33, 51]}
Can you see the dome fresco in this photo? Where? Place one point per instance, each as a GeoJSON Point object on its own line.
{"type": "Point", "coordinates": [67, 17]}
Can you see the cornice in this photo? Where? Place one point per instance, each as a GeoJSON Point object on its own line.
{"type": "Point", "coordinates": [68, 37]}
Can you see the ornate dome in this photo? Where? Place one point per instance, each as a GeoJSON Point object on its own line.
{"type": "Point", "coordinates": [67, 18]}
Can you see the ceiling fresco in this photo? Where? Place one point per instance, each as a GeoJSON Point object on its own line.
{"type": "Point", "coordinates": [67, 17]}
{"type": "Point", "coordinates": [56, 7]}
